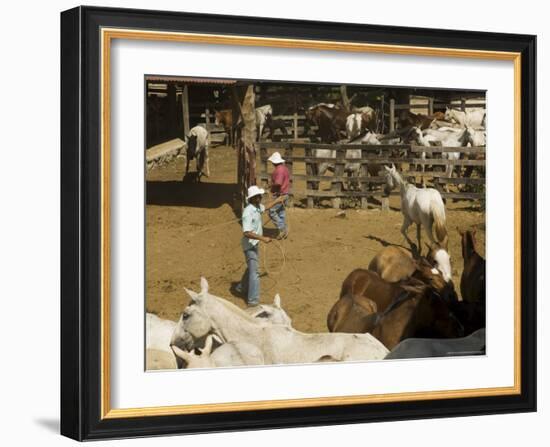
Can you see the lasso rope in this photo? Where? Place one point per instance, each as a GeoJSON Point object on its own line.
{"type": "Point", "coordinates": [210, 227]}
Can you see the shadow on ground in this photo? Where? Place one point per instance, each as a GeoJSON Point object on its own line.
{"type": "Point", "coordinates": [193, 194]}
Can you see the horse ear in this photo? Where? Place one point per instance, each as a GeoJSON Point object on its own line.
{"type": "Point", "coordinates": [386, 168]}
{"type": "Point", "coordinates": [184, 355]}
{"type": "Point", "coordinates": [204, 285]}
{"type": "Point", "coordinates": [207, 345]}
{"type": "Point", "coordinates": [393, 167]}
{"type": "Point", "coordinates": [277, 301]}
{"type": "Point", "coordinates": [194, 295]}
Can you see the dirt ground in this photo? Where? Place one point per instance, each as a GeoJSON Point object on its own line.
{"type": "Point", "coordinates": [192, 231]}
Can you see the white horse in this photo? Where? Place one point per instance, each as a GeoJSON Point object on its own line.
{"type": "Point", "coordinates": [273, 313]}
{"type": "Point", "coordinates": [158, 333]}
{"type": "Point", "coordinates": [353, 125]}
{"type": "Point", "coordinates": [470, 117]}
{"type": "Point", "coordinates": [459, 139]}
{"type": "Point", "coordinates": [422, 140]}
{"type": "Point", "coordinates": [422, 206]}
{"type": "Point", "coordinates": [261, 117]}
{"type": "Point", "coordinates": [352, 169]}
{"type": "Point", "coordinates": [227, 354]}
{"type": "Point", "coordinates": [208, 314]}
{"type": "Point", "coordinates": [198, 141]}
{"type": "Point", "coordinates": [357, 122]}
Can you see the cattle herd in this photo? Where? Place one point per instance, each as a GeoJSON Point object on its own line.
{"type": "Point", "coordinates": [403, 305]}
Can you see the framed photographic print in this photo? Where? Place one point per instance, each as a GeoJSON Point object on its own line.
{"type": "Point", "coordinates": [275, 223]}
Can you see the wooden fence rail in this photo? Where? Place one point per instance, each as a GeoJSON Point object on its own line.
{"type": "Point", "coordinates": [364, 184]}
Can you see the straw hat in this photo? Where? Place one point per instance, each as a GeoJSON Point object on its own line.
{"type": "Point", "coordinates": [254, 191]}
{"type": "Point", "coordinates": [276, 158]}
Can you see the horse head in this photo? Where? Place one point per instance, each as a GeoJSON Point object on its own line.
{"type": "Point", "coordinates": [194, 323]}
{"type": "Point", "coordinates": [440, 258]}
{"type": "Point", "coordinates": [436, 279]}
{"type": "Point", "coordinates": [196, 358]}
{"type": "Point", "coordinates": [275, 314]}
{"type": "Point", "coordinates": [391, 179]}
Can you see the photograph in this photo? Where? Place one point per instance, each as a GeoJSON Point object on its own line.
{"type": "Point", "coordinates": [303, 222]}
{"type": "Point", "coordinates": [279, 223]}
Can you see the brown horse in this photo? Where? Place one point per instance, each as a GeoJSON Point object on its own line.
{"type": "Point", "coordinates": [419, 313]}
{"type": "Point", "coordinates": [225, 118]}
{"type": "Point", "coordinates": [472, 281]}
{"type": "Point", "coordinates": [365, 292]}
{"type": "Point", "coordinates": [273, 125]}
{"type": "Point", "coordinates": [330, 120]}
{"type": "Point", "coordinates": [393, 264]}
{"type": "Point", "coordinates": [410, 119]}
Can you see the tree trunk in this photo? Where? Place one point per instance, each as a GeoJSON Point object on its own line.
{"type": "Point", "coordinates": [246, 140]}
{"type": "Point", "coordinates": [345, 99]}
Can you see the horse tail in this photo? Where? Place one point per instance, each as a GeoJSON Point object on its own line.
{"type": "Point", "coordinates": [438, 213]}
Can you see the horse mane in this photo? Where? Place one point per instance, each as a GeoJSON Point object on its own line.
{"type": "Point", "coordinates": [233, 308]}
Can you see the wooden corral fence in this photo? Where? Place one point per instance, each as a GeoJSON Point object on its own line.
{"type": "Point", "coordinates": [429, 106]}
{"type": "Point", "coordinates": [406, 156]}
{"type": "Point", "coordinates": [295, 128]}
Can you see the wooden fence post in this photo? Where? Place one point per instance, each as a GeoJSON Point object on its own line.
{"type": "Point", "coordinates": [430, 106]}
{"type": "Point", "coordinates": [380, 126]}
{"type": "Point", "coordinates": [207, 117]}
{"type": "Point", "coordinates": [295, 124]}
{"type": "Point", "coordinates": [463, 104]}
{"type": "Point", "coordinates": [289, 164]}
{"type": "Point", "coordinates": [363, 172]}
{"type": "Point", "coordinates": [310, 185]}
{"type": "Point", "coordinates": [338, 172]}
{"type": "Point", "coordinates": [392, 115]}
{"type": "Point", "coordinates": [263, 163]}
{"type": "Point", "coordinates": [185, 109]}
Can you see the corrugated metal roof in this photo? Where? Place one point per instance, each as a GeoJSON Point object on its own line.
{"type": "Point", "coordinates": [189, 80]}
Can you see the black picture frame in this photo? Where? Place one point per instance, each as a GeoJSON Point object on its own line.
{"type": "Point", "coordinates": [81, 223]}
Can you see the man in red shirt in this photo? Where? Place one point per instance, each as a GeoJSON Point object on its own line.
{"type": "Point", "coordinates": [280, 186]}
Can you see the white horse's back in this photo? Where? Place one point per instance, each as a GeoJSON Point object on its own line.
{"type": "Point", "coordinates": [158, 332]}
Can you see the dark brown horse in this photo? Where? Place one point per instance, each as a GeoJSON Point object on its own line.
{"type": "Point", "coordinates": [472, 281]}
{"type": "Point", "coordinates": [410, 119]}
{"type": "Point", "coordinates": [330, 120]}
{"type": "Point", "coordinates": [365, 292]}
{"type": "Point", "coordinates": [420, 313]}
{"type": "Point", "coordinates": [273, 125]}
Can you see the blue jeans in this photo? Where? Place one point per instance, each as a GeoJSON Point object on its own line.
{"type": "Point", "coordinates": [278, 215]}
{"type": "Point", "coordinates": [250, 282]}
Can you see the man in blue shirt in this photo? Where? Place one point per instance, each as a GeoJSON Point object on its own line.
{"type": "Point", "coordinates": [252, 236]}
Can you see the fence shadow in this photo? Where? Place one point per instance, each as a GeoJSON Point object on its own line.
{"type": "Point", "coordinates": [198, 195]}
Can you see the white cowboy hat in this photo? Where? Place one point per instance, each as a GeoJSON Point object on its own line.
{"type": "Point", "coordinates": [276, 158]}
{"type": "Point", "coordinates": [254, 191]}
